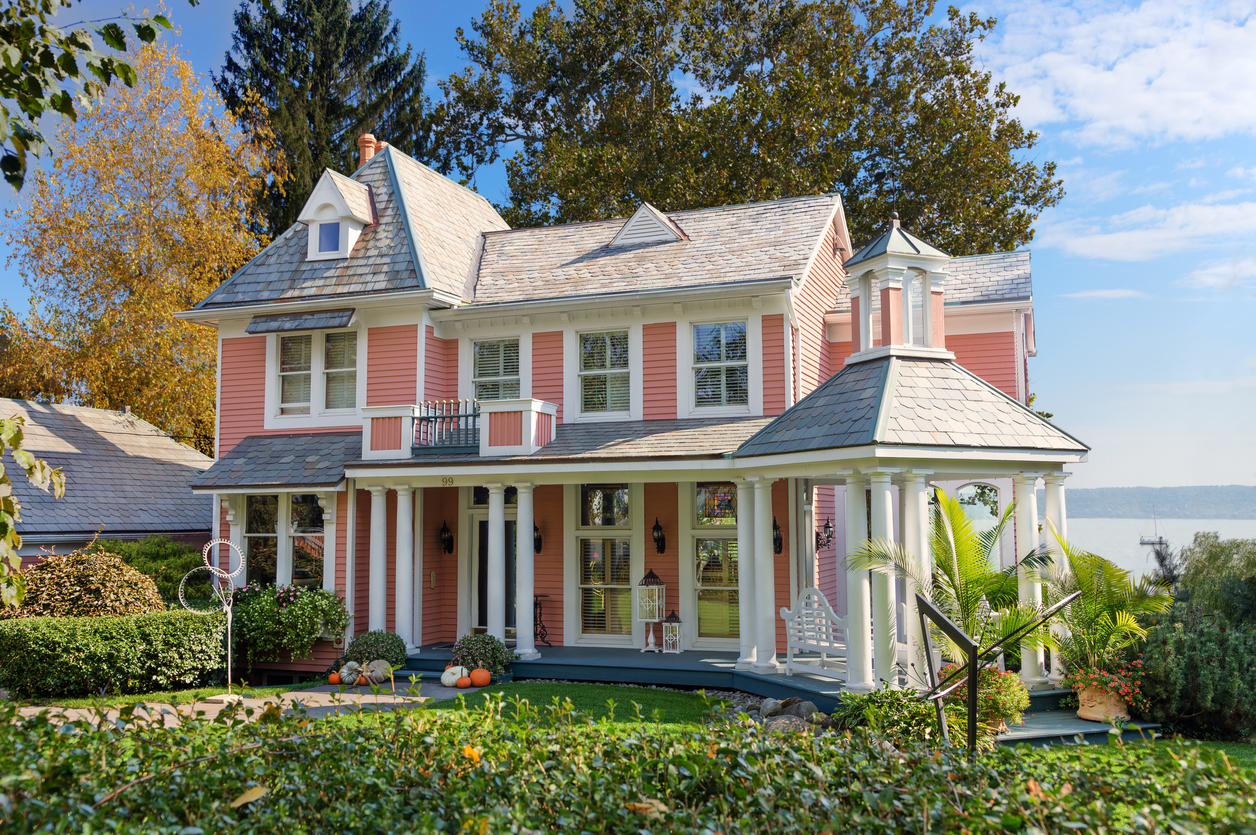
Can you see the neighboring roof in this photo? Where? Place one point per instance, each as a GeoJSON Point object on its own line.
{"type": "Point", "coordinates": [314, 460]}
{"type": "Point", "coordinates": [314, 320]}
{"type": "Point", "coordinates": [756, 241]}
{"type": "Point", "coordinates": [356, 195]}
{"type": "Point", "coordinates": [895, 240]}
{"type": "Point", "coordinates": [120, 473]}
{"type": "Point", "coordinates": [998, 277]}
{"type": "Point", "coordinates": [908, 401]}
{"type": "Point", "coordinates": [424, 237]}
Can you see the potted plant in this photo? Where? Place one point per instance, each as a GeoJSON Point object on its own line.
{"type": "Point", "coordinates": [483, 652]}
{"type": "Point", "coordinates": [1098, 626]}
{"type": "Point", "coordinates": [1001, 697]}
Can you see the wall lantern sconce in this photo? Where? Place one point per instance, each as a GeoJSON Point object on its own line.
{"type": "Point", "coordinates": [824, 538]}
{"type": "Point", "coordinates": [778, 544]}
{"type": "Point", "coordinates": [536, 538]}
{"type": "Point", "coordinates": [671, 633]}
{"type": "Point", "coordinates": [660, 538]}
{"type": "Point", "coordinates": [446, 538]}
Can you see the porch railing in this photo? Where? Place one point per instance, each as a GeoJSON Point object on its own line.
{"type": "Point", "coordinates": [447, 426]}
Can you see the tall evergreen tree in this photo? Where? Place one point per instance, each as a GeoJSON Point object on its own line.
{"type": "Point", "coordinates": [328, 71]}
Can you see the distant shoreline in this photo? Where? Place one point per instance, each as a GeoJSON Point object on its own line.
{"type": "Point", "coordinates": [1219, 502]}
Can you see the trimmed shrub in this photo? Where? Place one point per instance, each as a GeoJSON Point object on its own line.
{"type": "Point", "coordinates": [376, 646]}
{"type": "Point", "coordinates": [86, 584]}
{"type": "Point", "coordinates": [167, 562]}
{"type": "Point", "coordinates": [47, 657]}
{"type": "Point", "coordinates": [1197, 673]}
{"type": "Point", "coordinates": [482, 652]}
{"type": "Point", "coordinates": [902, 718]}
{"type": "Point", "coordinates": [1001, 697]}
{"type": "Point", "coordinates": [277, 623]}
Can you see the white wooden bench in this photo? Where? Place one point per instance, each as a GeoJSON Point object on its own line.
{"type": "Point", "coordinates": [812, 627]}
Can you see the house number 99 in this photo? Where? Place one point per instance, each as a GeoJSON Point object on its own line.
{"type": "Point", "coordinates": [447, 481]}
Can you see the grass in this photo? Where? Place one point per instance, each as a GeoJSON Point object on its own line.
{"type": "Point", "coordinates": [673, 707]}
{"type": "Point", "coordinates": [172, 696]}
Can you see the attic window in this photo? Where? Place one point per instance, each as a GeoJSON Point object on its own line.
{"type": "Point", "coordinates": [329, 237]}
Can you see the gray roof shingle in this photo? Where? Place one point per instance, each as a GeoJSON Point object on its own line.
{"type": "Point", "coordinates": [121, 473]}
{"type": "Point", "coordinates": [893, 238]}
{"type": "Point", "coordinates": [978, 279]}
{"type": "Point", "coordinates": [315, 460]}
{"type": "Point", "coordinates": [908, 401]}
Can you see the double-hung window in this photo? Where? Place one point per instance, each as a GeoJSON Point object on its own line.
{"type": "Point", "coordinates": [496, 369]}
{"type": "Point", "coordinates": [604, 372]}
{"type": "Point", "coordinates": [295, 558]}
{"type": "Point", "coordinates": [295, 370]}
{"type": "Point", "coordinates": [605, 565]}
{"type": "Point", "coordinates": [261, 541]}
{"type": "Point", "coordinates": [340, 369]}
{"type": "Point", "coordinates": [319, 368]}
{"type": "Point", "coordinates": [720, 373]}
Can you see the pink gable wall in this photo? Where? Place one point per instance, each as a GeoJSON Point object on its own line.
{"type": "Point", "coordinates": [774, 370]}
{"type": "Point", "coordinates": [816, 297]}
{"type": "Point", "coordinates": [547, 368]}
{"type": "Point", "coordinates": [991, 356]}
{"type": "Point", "coordinates": [242, 401]}
{"type": "Point", "coordinates": [392, 363]}
{"type": "Point", "coordinates": [659, 380]}
{"type": "Point", "coordinates": [440, 371]}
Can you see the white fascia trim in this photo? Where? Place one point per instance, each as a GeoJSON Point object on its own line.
{"type": "Point", "coordinates": [899, 351]}
{"type": "Point", "coordinates": [558, 472]}
{"type": "Point", "coordinates": [271, 489]}
{"type": "Point", "coordinates": [803, 464]}
{"type": "Point", "coordinates": [427, 298]}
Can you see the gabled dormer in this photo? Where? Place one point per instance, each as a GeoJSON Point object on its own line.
{"type": "Point", "coordinates": [336, 213]}
{"type": "Point", "coordinates": [648, 226]}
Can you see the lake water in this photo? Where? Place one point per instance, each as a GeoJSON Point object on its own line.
{"type": "Point", "coordinates": [1117, 539]}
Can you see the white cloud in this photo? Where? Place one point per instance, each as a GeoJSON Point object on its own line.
{"type": "Point", "coordinates": [1158, 70]}
{"type": "Point", "coordinates": [1242, 173]}
{"type": "Point", "coordinates": [1150, 232]}
{"type": "Point", "coordinates": [1108, 295]}
{"type": "Point", "coordinates": [1222, 275]}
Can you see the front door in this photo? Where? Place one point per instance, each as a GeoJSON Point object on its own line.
{"type": "Point", "coordinates": [481, 591]}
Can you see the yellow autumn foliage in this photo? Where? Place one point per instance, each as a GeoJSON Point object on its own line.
{"type": "Point", "coordinates": [149, 205]}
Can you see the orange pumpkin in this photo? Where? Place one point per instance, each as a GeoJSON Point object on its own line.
{"type": "Point", "coordinates": [447, 666]}
{"type": "Point", "coordinates": [480, 678]}
{"type": "Point", "coordinates": [334, 678]}
{"type": "Point", "coordinates": [464, 682]}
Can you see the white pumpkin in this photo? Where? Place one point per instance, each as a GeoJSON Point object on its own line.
{"type": "Point", "coordinates": [350, 673]}
{"type": "Point", "coordinates": [450, 677]}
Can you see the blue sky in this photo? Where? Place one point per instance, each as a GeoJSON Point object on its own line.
{"type": "Point", "coordinates": [1144, 276]}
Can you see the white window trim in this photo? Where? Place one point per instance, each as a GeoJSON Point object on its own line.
{"type": "Point", "coordinates": [690, 533]}
{"type": "Point", "coordinates": [319, 416]}
{"type": "Point", "coordinates": [466, 363]}
{"type": "Point", "coordinates": [622, 414]}
{"type": "Point", "coordinates": [571, 376]}
{"type": "Point", "coordinates": [685, 396]}
{"type": "Point", "coordinates": [634, 533]}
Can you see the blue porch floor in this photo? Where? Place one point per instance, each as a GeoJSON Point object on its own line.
{"type": "Point", "coordinates": [1045, 723]}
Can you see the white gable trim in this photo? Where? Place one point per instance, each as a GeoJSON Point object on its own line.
{"type": "Point", "coordinates": [648, 226]}
{"type": "Point", "coordinates": [327, 191]}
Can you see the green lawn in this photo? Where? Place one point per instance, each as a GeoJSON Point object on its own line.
{"type": "Point", "coordinates": [173, 696]}
{"type": "Point", "coordinates": [673, 707]}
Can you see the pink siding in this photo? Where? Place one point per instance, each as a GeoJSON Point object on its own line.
{"type": "Point", "coordinates": [661, 502]}
{"type": "Point", "coordinates": [891, 316]}
{"type": "Point", "coordinates": [544, 429]}
{"type": "Point", "coordinates": [780, 509]}
{"type": "Point", "coordinates": [659, 378]}
{"type": "Point", "coordinates": [392, 365]}
{"type": "Point", "coordinates": [440, 606]}
{"type": "Point", "coordinates": [991, 356]}
{"type": "Point", "coordinates": [386, 433]}
{"type": "Point", "coordinates": [547, 566]}
{"type": "Point", "coordinates": [826, 573]}
{"type": "Point", "coordinates": [242, 403]}
{"type": "Point", "coordinates": [816, 297]}
{"type": "Point", "coordinates": [774, 374]}
{"type": "Point", "coordinates": [547, 368]}
{"type": "Point", "coordinates": [838, 352]}
{"type": "Point", "coordinates": [505, 429]}
{"type": "Point", "coordinates": [440, 369]}
{"type": "Point", "coordinates": [939, 320]}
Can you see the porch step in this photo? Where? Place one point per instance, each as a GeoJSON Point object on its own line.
{"type": "Point", "coordinates": [1062, 727]}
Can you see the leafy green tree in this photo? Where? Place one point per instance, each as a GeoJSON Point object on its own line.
{"type": "Point", "coordinates": [326, 72]}
{"type": "Point", "coordinates": [688, 103]}
{"type": "Point", "coordinates": [12, 586]}
{"type": "Point", "coordinates": [1219, 576]}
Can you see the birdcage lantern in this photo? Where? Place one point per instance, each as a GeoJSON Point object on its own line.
{"type": "Point", "coordinates": [671, 633]}
{"type": "Point", "coordinates": [651, 594]}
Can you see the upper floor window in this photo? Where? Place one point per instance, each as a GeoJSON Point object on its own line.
{"type": "Point", "coordinates": [496, 371]}
{"type": "Point", "coordinates": [720, 375]}
{"type": "Point", "coordinates": [295, 367]}
{"type": "Point", "coordinates": [335, 367]}
{"type": "Point", "coordinates": [329, 237]}
{"type": "Point", "coordinates": [340, 370]}
{"type": "Point", "coordinates": [604, 372]}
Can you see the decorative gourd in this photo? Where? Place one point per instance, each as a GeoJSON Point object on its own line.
{"type": "Point", "coordinates": [450, 677]}
{"type": "Point", "coordinates": [350, 673]}
{"type": "Point", "coordinates": [377, 672]}
{"type": "Point", "coordinates": [334, 678]}
{"type": "Point", "coordinates": [481, 678]}
{"type": "Point", "coordinates": [463, 683]}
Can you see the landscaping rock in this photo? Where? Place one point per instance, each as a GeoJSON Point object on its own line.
{"type": "Point", "coordinates": [800, 709]}
{"type": "Point", "coordinates": [818, 719]}
{"type": "Point", "coordinates": [786, 725]}
{"type": "Point", "coordinates": [770, 707]}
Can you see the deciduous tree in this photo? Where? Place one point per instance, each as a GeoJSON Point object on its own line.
{"type": "Point", "coordinates": [149, 206]}
{"type": "Point", "coordinates": [12, 586]}
{"type": "Point", "coordinates": [688, 103]}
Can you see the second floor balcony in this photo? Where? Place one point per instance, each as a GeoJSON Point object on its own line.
{"type": "Point", "coordinates": [442, 427]}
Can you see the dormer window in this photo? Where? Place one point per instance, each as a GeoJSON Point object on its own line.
{"type": "Point", "coordinates": [329, 236]}
{"type": "Point", "coordinates": [338, 210]}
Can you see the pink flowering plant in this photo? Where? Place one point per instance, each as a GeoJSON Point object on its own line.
{"type": "Point", "coordinates": [273, 623]}
{"type": "Point", "coordinates": [1001, 697]}
{"type": "Point", "coordinates": [1124, 683]}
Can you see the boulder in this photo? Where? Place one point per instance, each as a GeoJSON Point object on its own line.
{"type": "Point", "coordinates": [770, 707]}
{"type": "Point", "coordinates": [800, 709]}
{"type": "Point", "coordinates": [786, 725]}
{"type": "Point", "coordinates": [819, 720]}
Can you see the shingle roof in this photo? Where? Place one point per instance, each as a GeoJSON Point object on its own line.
{"type": "Point", "coordinates": [120, 472]}
{"type": "Point", "coordinates": [356, 196]}
{"type": "Point", "coordinates": [908, 401]}
{"type": "Point", "coordinates": [315, 460]}
{"type": "Point", "coordinates": [894, 239]}
{"type": "Point", "coordinates": [312, 320]}
{"type": "Point", "coordinates": [998, 277]}
{"type": "Point", "coordinates": [728, 244]}
{"type": "Point", "coordinates": [441, 219]}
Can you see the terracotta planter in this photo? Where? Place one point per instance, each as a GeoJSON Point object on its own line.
{"type": "Point", "coordinates": [1000, 727]}
{"type": "Point", "coordinates": [1098, 706]}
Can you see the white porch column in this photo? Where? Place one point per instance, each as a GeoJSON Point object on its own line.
{"type": "Point", "coordinates": [746, 566]}
{"type": "Point", "coordinates": [235, 506]}
{"type": "Point", "coordinates": [403, 590]}
{"type": "Point", "coordinates": [1057, 516]}
{"type": "Point", "coordinates": [858, 593]}
{"type": "Point", "coordinates": [764, 578]}
{"type": "Point", "coordinates": [377, 601]}
{"type": "Point", "coordinates": [1033, 661]}
{"type": "Point", "coordinates": [525, 638]}
{"type": "Point", "coordinates": [915, 513]}
{"type": "Point", "coordinates": [495, 617]}
{"type": "Point", "coordinates": [884, 614]}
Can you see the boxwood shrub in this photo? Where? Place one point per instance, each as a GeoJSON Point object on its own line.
{"type": "Point", "coordinates": [167, 650]}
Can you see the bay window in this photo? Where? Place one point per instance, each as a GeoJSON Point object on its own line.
{"type": "Point", "coordinates": [296, 557]}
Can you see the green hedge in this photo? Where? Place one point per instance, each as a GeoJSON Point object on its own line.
{"type": "Point", "coordinates": [50, 657]}
{"type": "Point", "coordinates": [166, 562]}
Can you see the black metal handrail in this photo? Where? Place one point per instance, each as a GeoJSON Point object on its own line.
{"type": "Point", "coordinates": [447, 426]}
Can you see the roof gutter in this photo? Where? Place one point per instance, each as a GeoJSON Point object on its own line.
{"type": "Point", "coordinates": [211, 316]}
